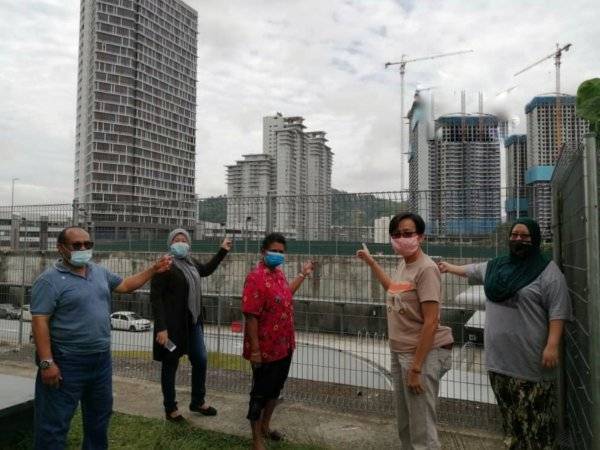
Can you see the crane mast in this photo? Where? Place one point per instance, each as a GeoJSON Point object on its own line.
{"type": "Point", "coordinates": [402, 69]}
{"type": "Point", "coordinates": [556, 55]}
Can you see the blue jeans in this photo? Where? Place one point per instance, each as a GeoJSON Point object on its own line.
{"type": "Point", "coordinates": [198, 359]}
{"type": "Point", "coordinates": [85, 378]}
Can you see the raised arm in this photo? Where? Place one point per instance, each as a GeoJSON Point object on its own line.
{"type": "Point", "coordinates": [136, 281]}
{"type": "Point", "coordinates": [307, 269]}
{"type": "Point", "coordinates": [207, 269]}
{"type": "Point", "coordinates": [377, 270]}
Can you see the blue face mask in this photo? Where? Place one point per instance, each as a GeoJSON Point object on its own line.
{"type": "Point", "coordinates": [274, 259]}
{"type": "Point", "coordinates": [80, 258]}
{"type": "Point", "coordinates": [180, 249]}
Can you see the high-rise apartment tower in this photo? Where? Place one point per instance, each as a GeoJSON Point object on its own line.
{"type": "Point", "coordinates": [543, 151]}
{"type": "Point", "coordinates": [136, 113]}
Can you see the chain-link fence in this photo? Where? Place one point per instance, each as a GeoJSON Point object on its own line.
{"type": "Point", "coordinates": [342, 357]}
{"type": "Point", "coordinates": [577, 249]}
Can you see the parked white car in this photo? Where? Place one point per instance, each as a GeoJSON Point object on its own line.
{"type": "Point", "coordinates": [26, 313]}
{"type": "Point", "coordinates": [8, 311]}
{"type": "Point", "coordinates": [128, 320]}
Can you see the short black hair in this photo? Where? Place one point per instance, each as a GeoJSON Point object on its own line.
{"type": "Point", "coordinates": [270, 238]}
{"type": "Point", "coordinates": [417, 220]}
{"type": "Point", "coordinates": [62, 236]}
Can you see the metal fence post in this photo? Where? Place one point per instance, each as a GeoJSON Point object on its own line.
{"type": "Point", "coordinates": [557, 214]}
{"type": "Point", "coordinates": [22, 296]}
{"type": "Point", "coordinates": [219, 311]}
{"type": "Point", "coordinates": [269, 213]}
{"type": "Point", "coordinates": [590, 170]}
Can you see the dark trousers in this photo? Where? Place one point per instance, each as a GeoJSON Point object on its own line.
{"type": "Point", "coordinates": [267, 382]}
{"type": "Point", "coordinates": [85, 378]}
{"type": "Point", "coordinates": [198, 359]}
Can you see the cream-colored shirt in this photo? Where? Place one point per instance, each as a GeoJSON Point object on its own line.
{"type": "Point", "coordinates": [413, 284]}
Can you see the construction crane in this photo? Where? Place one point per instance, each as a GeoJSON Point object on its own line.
{"type": "Point", "coordinates": [556, 54]}
{"type": "Point", "coordinates": [507, 91]}
{"type": "Point", "coordinates": [431, 100]}
{"type": "Point", "coordinates": [402, 63]}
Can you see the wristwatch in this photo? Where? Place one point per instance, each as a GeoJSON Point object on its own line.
{"type": "Point", "coordinates": [45, 364]}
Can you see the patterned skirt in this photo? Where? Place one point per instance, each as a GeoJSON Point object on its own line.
{"type": "Point", "coordinates": [528, 411]}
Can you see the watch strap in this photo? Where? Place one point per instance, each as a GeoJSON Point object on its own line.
{"type": "Point", "coordinates": [45, 363]}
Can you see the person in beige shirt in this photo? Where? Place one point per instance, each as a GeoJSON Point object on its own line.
{"type": "Point", "coordinates": [420, 348]}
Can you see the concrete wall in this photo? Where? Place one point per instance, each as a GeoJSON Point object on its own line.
{"type": "Point", "coordinates": [341, 296]}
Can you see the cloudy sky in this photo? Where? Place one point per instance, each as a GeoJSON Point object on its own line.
{"type": "Point", "coordinates": [322, 59]}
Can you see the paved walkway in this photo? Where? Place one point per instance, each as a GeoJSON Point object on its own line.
{"type": "Point", "coordinates": [301, 423]}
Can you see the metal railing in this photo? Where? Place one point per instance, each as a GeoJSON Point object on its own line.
{"type": "Point", "coordinates": [577, 251]}
{"type": "Point", "coordinates": [342, 357]}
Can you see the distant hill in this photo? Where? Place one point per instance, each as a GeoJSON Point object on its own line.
{"type": "Point", "coordinates": [213, 209]}
{"type": "Point", "coordinates": [347, 209]}
{"type": "Point", "coordinates": [361, 209]}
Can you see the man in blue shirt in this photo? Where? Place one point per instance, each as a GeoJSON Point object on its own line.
{"type": "Point", "coordinates": [70, 308]}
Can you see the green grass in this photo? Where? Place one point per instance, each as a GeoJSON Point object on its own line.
{"type": "Point", "coordinates": [134, 432]}
{"type": "Point", "coordinates": [215, 360]}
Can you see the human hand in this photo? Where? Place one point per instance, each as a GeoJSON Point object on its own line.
{"type": "Point", "coordinates": [51, 376]}
{"type": "Point", "coordinates": [550, 357]}
{"type": "Point", "coordinates": [444, 266]}
{"type": "Point", "coordinates": [255, 359]}
{"type": "Point", "coordinates": [414, 382]}
{"type": "Point", "coordinates": [308, 267]}
{"type": "Point", "coordinates": [163, 264]}
{"type": "Point", "coordinates": [227, 244]}
{"type": "Point", "coordinates": [162, 337]}
{"type": "Point", "coordinates": [365, 254]}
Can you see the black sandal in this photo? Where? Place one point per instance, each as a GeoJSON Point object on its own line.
{"type": "Point", "coordinates": [274, 435]}
{"type": "Point", "coordinates": [209, 411]}
{"type": "Point", "coordinates": [175, 419]}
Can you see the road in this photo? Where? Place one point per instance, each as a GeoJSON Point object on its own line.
{"type": "Point", "coordinates": [311, 362]}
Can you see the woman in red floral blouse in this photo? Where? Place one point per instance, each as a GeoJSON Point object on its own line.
{"type": "Point", "coordinates": [269, 340]}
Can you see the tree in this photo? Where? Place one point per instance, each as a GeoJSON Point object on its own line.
{"type": "Point", "coordinates": [588, 103]}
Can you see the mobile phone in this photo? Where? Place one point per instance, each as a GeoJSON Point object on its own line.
{"type": "Point", "coordinates": [169, 345]}
{"type": "Point", "coordinates": [365, 248]}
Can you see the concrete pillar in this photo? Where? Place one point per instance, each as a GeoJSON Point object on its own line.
{"type": "Point", "coordinates": [15, 232]}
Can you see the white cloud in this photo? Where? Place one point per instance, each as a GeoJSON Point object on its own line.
{"type": "Point", "coordinates": [321, 60]}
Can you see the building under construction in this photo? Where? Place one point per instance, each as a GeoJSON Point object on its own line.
{"type": "Point", "coordinates": [419, 134]}
{"type": "Point", "coordinates": [464, 175]}
{"type": "Point", "coordinates": [516, 164]}
{"type": "Point", "coordinates": [548, 132]}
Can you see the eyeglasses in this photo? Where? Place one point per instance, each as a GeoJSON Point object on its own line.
{"type": "Point", "coordinates": [84, 245]}
{"type": "Point", "coordinates": [520, 235]}
{"type": "Point", "coordinates": [276, 251]}
{"type": "Point", "coordinates": [404, 234]}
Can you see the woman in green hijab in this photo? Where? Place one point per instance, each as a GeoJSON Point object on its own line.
{"type": "Point", "coordinates": [527, 305]}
